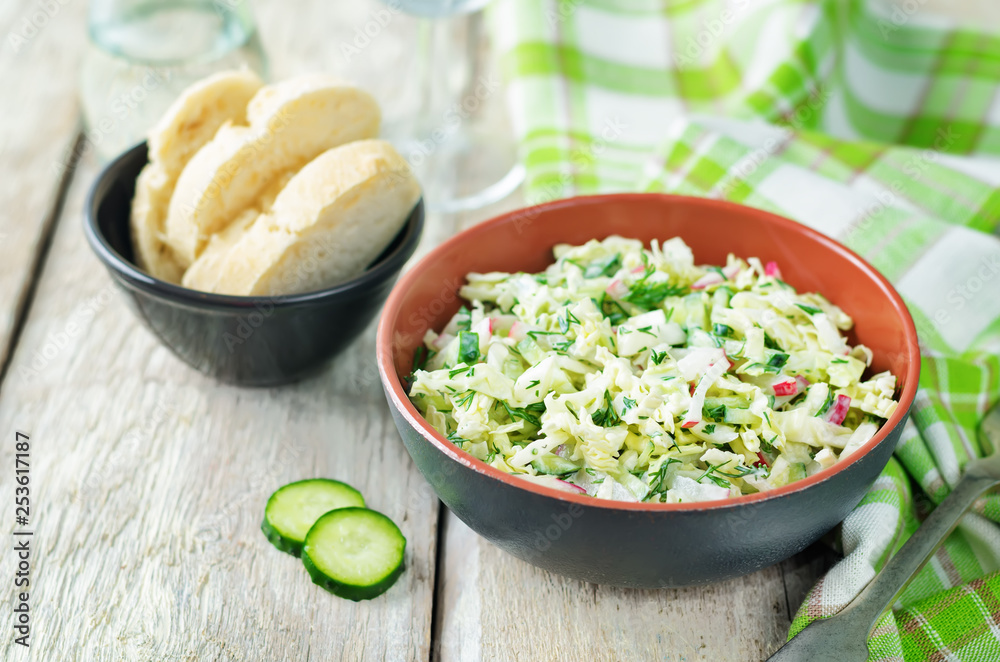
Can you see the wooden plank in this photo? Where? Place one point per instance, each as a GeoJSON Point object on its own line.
{"type": "Point", "coordinates": [495, 607]}
{"type": "Point", "coordinates": [801, 572]}
{"type": "Point", "coordinates": [150, 482]}
{"type": "Point", "coordinates": [39, 65]}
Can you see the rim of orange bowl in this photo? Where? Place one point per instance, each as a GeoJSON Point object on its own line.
{"type": "Point", "coordinates": [402, 402]}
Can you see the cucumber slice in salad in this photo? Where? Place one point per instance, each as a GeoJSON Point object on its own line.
{"type": "Point", "coordinates": [294, 508]}
{"type": "Point", "coordinates": [554, 465]}
{"type": "Point", "coordinates": [355, 553]}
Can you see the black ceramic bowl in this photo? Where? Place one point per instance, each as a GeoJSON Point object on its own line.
{"type": "Point", "coordinates": [250, 341]}
{"type": "Point", "coordinates": [645, 544]}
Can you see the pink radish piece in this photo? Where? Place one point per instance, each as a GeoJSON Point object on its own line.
{"type": "Point", "coordinates": [785, 387]}
{"type": "Point", "coordinates": [518, 331]}
{"type": "Point", "coordinates": [731, 270]}
{"type": "Point", "coordinates": [838, 410]}
{"type": "Point", "coordinates": [771, 269]}
{"type": "Point", "coordinates": [711, 278]}
{"type": "Point", "coordinates": [569, 487]}
{"type": "Point", "coordinates": [638, 270]}
{"type": "Point", "coordinates": [617, 289]}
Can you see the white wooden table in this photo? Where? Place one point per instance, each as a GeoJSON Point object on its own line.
{"type": "Point", "coordinates": [149, 480]}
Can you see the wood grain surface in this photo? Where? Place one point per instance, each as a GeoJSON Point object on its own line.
{"type": "Point", "coordinates": [39, 59]}
{"type": "Point", "coordinates": [150, 481]}
{"type": "Point", "coordinates": [499, 608]}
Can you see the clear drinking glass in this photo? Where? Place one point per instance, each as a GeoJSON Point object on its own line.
{"type": "Point", "coordinates": [143, 53]}
{"type": "Point", "coordinates": [460, 143]}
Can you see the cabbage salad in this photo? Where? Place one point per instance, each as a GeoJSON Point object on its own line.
{"type": "Point", "coordinates": [633, 374]}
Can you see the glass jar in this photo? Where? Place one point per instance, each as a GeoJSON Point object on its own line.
{"type": "Point", "coordinates": [143, 53]}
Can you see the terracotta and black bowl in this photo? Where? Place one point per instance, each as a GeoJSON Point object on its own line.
{"type": "Point", "coordinates": [645, 544]}
{"type": "Point", "coordinates": [251, 340]}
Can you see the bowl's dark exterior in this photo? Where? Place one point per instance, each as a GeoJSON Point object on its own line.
{"type": "Point", "coordinates": [642, 548]}
{"type": "Point", "coordinates": [249, 341]}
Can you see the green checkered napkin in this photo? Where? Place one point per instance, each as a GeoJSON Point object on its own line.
{"type": "Point", "coordinates": [877, 126]}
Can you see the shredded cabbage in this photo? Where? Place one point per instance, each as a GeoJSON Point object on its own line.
{"type": "Point", "coordinates": [633, 374]}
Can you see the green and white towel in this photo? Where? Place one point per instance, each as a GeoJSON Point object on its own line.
{"type": "Point", "coordinates": [875, 123]}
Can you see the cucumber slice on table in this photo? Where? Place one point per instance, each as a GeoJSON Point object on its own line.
{"type": "Point", "coordinates": [355, 553]}
{"type": "Point", "coordinates": [294, 508]}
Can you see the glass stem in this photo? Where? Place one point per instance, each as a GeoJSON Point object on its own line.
{"type": "Point", "coordinates": [474, 56]}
